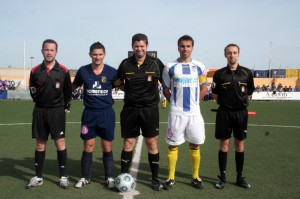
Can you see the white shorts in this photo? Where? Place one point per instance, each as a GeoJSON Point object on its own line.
{"type": "Point", "coordinates": [183, 128]}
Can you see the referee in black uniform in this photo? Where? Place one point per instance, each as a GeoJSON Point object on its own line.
{"type": "Point", "coordinates": [51, 91]}
{"type": "Point", "coordinates": [232, 89]}
{"type": "Point", "coordinates": [139, 75]}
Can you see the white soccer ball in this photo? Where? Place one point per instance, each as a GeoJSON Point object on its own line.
{"type": "Point", "coordinates": [125, 182]}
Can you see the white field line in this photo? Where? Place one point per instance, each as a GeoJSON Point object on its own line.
{"type": "Point", "coordinates": [257, 125]}
{"type": "Point", "coordinates": [135, 167]}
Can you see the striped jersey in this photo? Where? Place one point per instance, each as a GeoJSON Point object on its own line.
{"type": "Point", "coordinates": [183, 81]}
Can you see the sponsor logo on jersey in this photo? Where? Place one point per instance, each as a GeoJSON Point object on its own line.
{"type": "Point", "coordinates": [97, 85]}
{"type": "Point", "coordinates": [186, 82]}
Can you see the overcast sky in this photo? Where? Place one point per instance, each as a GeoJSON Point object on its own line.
{"type": "Point", "coordinates": [213, 24]}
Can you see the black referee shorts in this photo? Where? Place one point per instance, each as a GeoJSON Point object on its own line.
{"type": "Point", "coordinates": [134, 119]}
{"type": "Point", "coordinates": [47, 121]}
{"type": "Point", "coordinates": [231, 121]}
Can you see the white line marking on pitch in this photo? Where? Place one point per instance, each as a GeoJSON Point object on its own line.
{"type": "Point", "coordinates": [258, 125]}
{"type": "Point", "coordinates": [135, 167]}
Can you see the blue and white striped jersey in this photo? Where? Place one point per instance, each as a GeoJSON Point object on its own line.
{"type": "Point", "coordinates": [183, 81]}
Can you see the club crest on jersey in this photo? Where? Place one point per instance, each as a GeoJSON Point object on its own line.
{"type": "Point", "coordinates": [103, 79]}
{"type": "Point", "coordinates": [57, 85]}
{"type": "Point", "coordinates": [243, 89]}
{"type": "Point", "coordinates": [194, 68]}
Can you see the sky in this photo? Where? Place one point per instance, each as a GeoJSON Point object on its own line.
{"type": "Point", "coordinates": [267, 31]}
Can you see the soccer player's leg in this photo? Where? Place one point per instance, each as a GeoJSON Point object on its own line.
{"type": "Point", "coordinates": [195, 135]}
{"type": "Point", "coordinates": [88, 135]}
{"type": "Point", "coordinates": [86, 161]}
{"type": "Point", "coordinates": [195, 159]}
{"type": "Point", "coordinates": [107, 132]}
{"type": "Point", "coordinates": [172, 160]}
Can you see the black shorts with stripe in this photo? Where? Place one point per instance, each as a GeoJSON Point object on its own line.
{"type": "Point", "coordinates": [228, 122]}
{"type": "Point", "coordinates": [134, 120]}
{"type": "Point", "coordinates": [47, 121]}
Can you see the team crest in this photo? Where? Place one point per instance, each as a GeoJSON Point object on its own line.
{"type": "Point", "coordinates": [194, 68]}
{"type": "Point", "coordinates": [57, 85]}
{"type": "Point", "coordinates": [103, 79]}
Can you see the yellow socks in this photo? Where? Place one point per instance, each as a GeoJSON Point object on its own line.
{"type": "Point", "coordinates": [172, 159]}
{"type": "Point", "coordinates": [164, 103]}
{"type": "Point", "coordinates": [195, 158]}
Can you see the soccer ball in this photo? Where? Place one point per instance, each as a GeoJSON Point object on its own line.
{"type": "Point", "coordinates": [125, 182]}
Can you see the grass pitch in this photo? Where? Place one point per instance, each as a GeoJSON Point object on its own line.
{"type": "Point", "coordinates": [271, 160]}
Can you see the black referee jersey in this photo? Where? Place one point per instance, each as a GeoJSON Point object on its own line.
{"type": "Point", "coordinates": [141, 82]}
{"type": "Point", "coordinates": [52, 88]}
{"type": "Point", "coordinates": [233, 87]}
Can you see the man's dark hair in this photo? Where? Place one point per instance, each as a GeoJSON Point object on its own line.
{"type": "Point", "coordinates": [139, 37]}
{"type": "Point", "coordinates": [51, 41]}
{"type": "Point", "coordinates": [185, 38]}
{"type": "Point", "coordinates": [97, 45]}
{"type": "Point", "coordinates": [231, 45]}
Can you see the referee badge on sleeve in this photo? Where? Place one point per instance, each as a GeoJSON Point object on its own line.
{"type": "Point", "coordinates": [33, 90]}
{"type": "Point", "coordinates": [243, 88]}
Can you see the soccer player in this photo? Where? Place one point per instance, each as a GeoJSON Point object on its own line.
{"type": "Point", "coordinates": [184, 91]}
{"type": "Point", "coordinates": [233, 87]}
{"type": "Point", "coordinates": [139, 75]}
{"type": "Point", "coordinates": [51, 90]}
{"type": "Point", "coordinates": [98, 117]}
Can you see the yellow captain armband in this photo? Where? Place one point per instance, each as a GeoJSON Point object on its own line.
{"type": "Point", "coordinates": [202, 79]}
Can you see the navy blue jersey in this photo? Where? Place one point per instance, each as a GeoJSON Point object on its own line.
{"type": "Point", "coordinates": [97, 89]}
